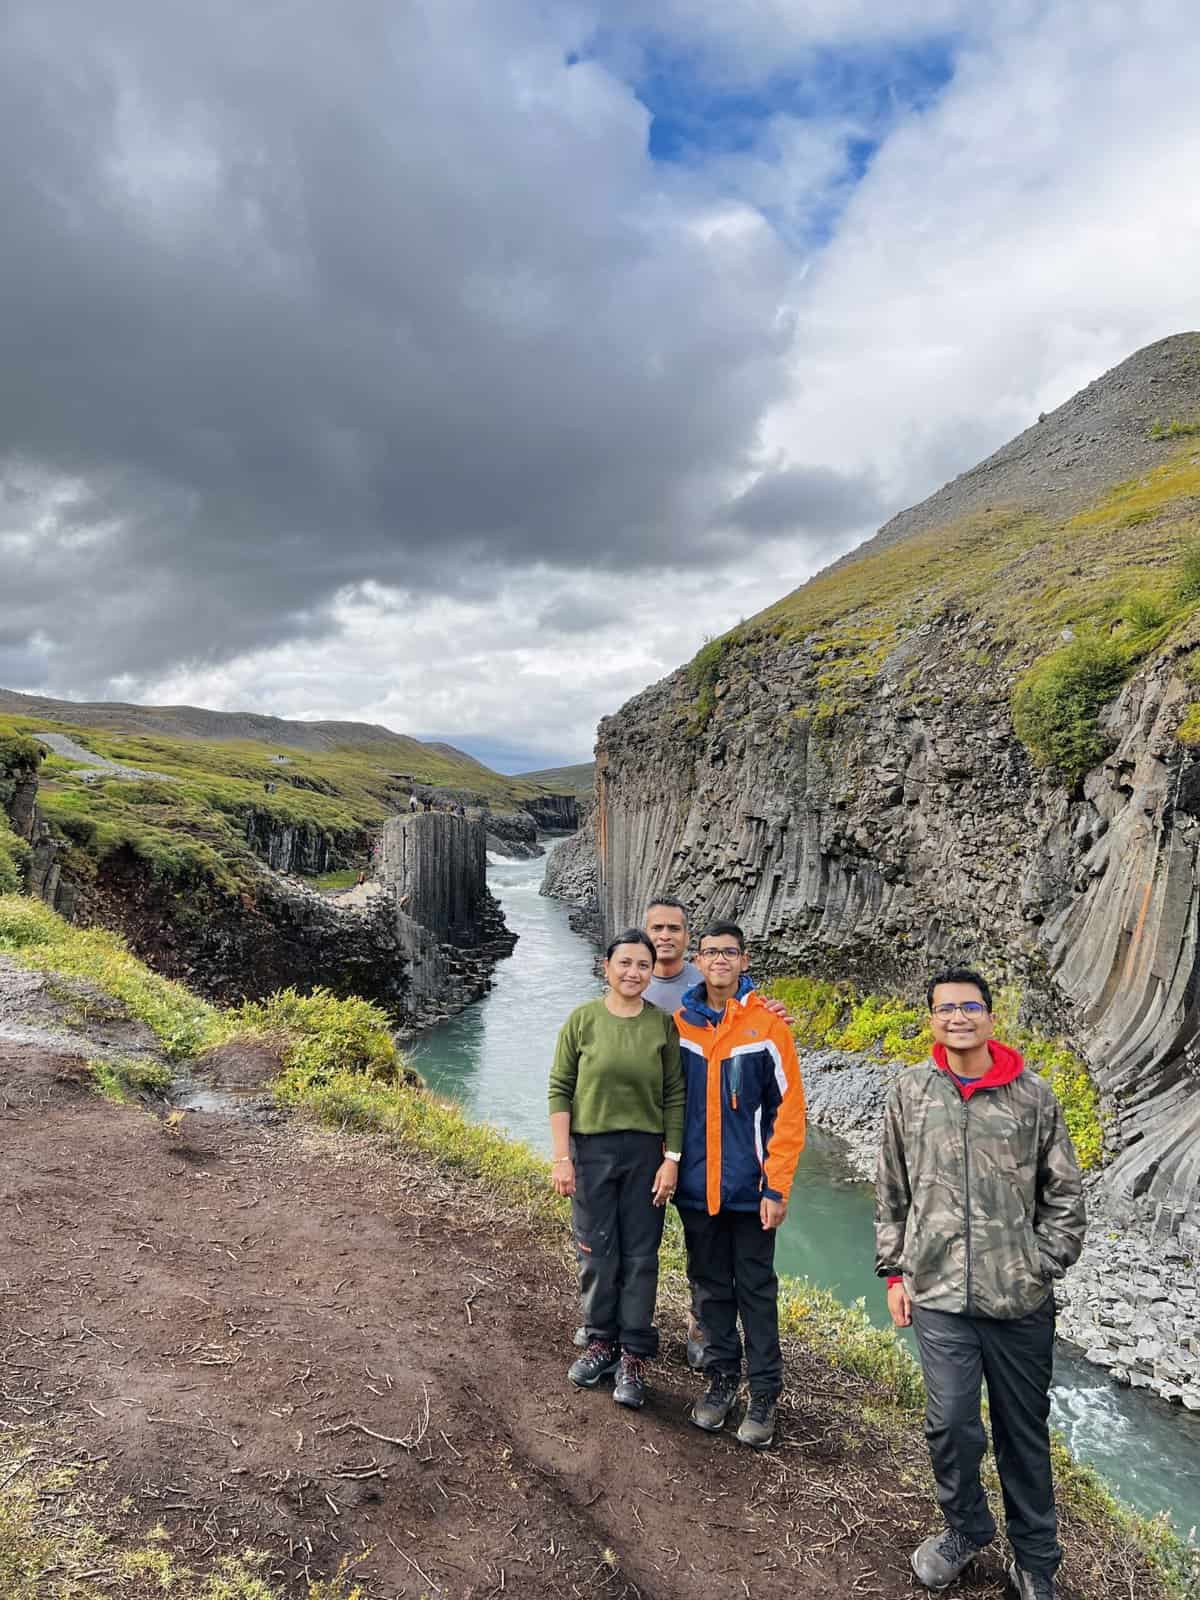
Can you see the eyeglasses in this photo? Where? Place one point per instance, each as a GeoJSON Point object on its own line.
{"type": "Point", "coordinates": [969, 1008]}
{"type": "Point", "coordinates": [729, 951]}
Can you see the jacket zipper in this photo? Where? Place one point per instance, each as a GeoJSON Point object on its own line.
{"type": "Point", "coordinates": [967, 1197]}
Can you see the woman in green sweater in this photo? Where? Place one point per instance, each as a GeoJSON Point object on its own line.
{"type": "Point", "coordinates": [616, 1119]}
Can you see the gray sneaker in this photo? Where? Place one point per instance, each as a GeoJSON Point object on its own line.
{"type": "Point", "coordinates": [710, 1411]}
{"type": "Point", "coordinates": [1032, 1585]}
{"type": "Point", "coordinates": [596, 1362]}
{"type": "Point", "coordinates": [630, 1387]}
{"type": "Point", "coordinates": [943, 1558]}
{"type": "Point", "coordinates": [758, 1425]}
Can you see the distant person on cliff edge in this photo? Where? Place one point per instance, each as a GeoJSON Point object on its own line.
{"type": "Point", "coordinates": [616, 1123]}
{"type": "Point", "coordinates": [743, 1134]}
{"type": "Point", "coordinates": [978, 1209]}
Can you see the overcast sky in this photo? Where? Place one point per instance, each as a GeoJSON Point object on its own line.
{"type": "Point", "coordinates": [461, 367]}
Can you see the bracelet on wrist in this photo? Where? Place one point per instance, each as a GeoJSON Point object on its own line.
{"type": "Point", "coordinates": [558, 1160]}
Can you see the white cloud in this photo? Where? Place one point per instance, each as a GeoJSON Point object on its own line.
{"type": "Point", "coordinates": [524, 516]}
{"type": "Point", "coordinates": [1029, 231]}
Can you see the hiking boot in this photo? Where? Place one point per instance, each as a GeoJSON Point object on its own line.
{"type": "Point", "coordinates": [580, 1341]}
{"type": "Point", "coordinates": [758, 1425]}
{"type": "Point", "coordinates": [596, 1362]}
{"type": "Point", "coordinates": [695, 1345]}
{"type": "Point", "coordinates": [710, 1412]}
{"type": "Point", "coordinates": [630, 1387]}
{"type": "Point", "coordinates": [1032, 1585]}
{"type": "Point", "coordinates": [943, 1557]}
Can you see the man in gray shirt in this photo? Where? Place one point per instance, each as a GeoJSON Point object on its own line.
{"type": "Point", "coordinates": [667, 924]}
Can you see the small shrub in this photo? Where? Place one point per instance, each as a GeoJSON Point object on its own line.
{"type": "Point", "coordinates": [14, 859]}
{"type": "Point", "coordinates": [704, 671]}
{"type": "Point", "coordinates": [1188, 731]}
{"type": "Point", "coordinates": [1144, 611]}
{"type": "Point", "coordinates": [1176, 428]}
{"type": "Point", "coordinates": [887, 1027]}
{"type": "Point", "coordinates": [126, 1077]}
{"type": "Point", "coordinates": [324, 1036]}
{"type": "Point", "coordinates": [1057, 704]}
{"type": "Point", "coordinates": [1187, 568]}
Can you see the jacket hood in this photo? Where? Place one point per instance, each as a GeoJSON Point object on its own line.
{"type": "Point", "coordinates": [697, 1009]}
{"type": "Point", "coordinates": [1007, 1064]}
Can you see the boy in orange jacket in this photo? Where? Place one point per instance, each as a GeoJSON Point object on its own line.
{"type": "Point", "coordinates": [743, 1134]}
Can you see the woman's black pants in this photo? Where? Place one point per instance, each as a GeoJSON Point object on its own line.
{"type": "Point", "coordinates": [617, 1234]}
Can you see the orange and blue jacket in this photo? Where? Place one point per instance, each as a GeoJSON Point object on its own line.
{"type": "Point", "coordinates": [744, 1118]}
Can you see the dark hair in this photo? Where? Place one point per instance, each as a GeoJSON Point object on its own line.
{"type": "Point", "coordinates": [632, 936]}
{"type": "Point", "coordinates": [959, 975]}
{"type": "Point", "coordinates": [721, 930]}
{"type": "Point", "coordinates": [666, 900]}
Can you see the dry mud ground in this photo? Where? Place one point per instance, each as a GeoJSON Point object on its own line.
{"type": "Point", "coordinates": [308, 1344]}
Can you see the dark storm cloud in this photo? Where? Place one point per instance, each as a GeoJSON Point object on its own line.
{"type": "Point", "coordinates": [818, 501]}
{"type": "Point", "coordinates": [579, 613]}
{"type": "Point", "coordinates": [294, 298]}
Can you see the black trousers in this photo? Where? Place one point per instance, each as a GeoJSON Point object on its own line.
{"type": "Point", "coordinates": [617, 1234]}
{"type": "Point", "coordinates": [1016, 1357]}
{"type": "Point", "coordinates": [731, 1264]}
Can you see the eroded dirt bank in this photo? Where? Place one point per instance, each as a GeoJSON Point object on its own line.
{"type": "Point", "coordinates": [299, 1342]}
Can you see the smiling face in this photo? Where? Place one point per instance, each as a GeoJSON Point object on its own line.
{"type": "Point", "coordinates": [722, 959]}
{"type": "Point", "coordinates": [628, 970]}
{"type": "Point", "coordinates": [667, 927]}
{"type": "Point", "coordinates": [957, 1029]}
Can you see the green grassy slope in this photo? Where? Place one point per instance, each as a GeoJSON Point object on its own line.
{"type": "Point", "coordinates": [577, 780]}
{"type": "Point", "coordinates": [192, 829]}
{"type": "Point", "coordinates": [1080, 599]}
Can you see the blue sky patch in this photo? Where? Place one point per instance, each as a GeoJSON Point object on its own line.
{"type": "Point", "coordinates": [696, 119]}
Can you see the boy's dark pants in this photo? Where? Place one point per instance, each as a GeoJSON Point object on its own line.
{"type": "Point", "coordinates": [1017, 1359]}
{"type": "Point", "coordinates": [731, 1263]}
{"type": "Point", "coordinates": [617, 1234]}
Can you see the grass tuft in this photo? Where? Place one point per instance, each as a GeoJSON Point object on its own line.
{"type": "Point", "coordinates": [126, 1078]}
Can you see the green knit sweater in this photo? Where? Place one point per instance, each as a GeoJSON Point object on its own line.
{"type": "Point", "coordinates": [618, 1074]}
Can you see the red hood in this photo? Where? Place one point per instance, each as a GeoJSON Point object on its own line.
{"type": "Point", "coordinates": [1007, 1064]}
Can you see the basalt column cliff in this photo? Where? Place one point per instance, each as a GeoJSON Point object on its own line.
{"type": "Point", "coordinates": [975, 738]}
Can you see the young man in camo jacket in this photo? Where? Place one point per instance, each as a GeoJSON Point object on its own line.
{"type": "Point", "coordinates": [978, 1209]}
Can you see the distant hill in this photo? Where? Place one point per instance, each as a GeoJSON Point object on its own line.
{"type": "Point", "coordinates": [563, 780]}
{"type": "Point", "coordinates": [223, 727]}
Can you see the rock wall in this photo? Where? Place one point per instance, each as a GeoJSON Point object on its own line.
{"type": "Point", "coordinates": [571, 872]}
{"type": "Point", "coordinates": [916, 832]}
{"type": "Point", "coordinates": [436, 864]}
{"type": "Point", "coordinates": [510, 833]}
{"type": "Point", "coordinates": [554, 813]}
{"type": "Point", "coordinates": [18, 800]}
{"type": "Point", "coordinates": [299, 847]}
{"type": "Point", "coordinates": [432, 870]}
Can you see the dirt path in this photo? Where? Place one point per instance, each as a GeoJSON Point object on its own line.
{"type": "Point", "coordinates": [299, 1342]}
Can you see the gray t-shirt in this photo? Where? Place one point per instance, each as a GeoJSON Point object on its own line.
{"type": "Point", "coordinates": [667, 993]}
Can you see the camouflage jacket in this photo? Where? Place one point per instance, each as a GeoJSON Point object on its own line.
{"type": "Point", "coordinates": [978, 1197]}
